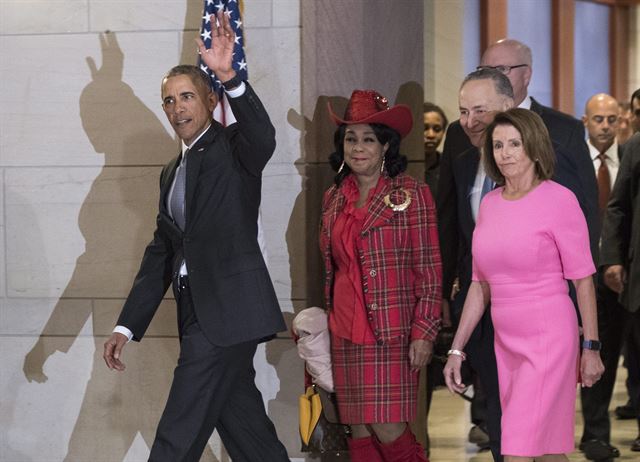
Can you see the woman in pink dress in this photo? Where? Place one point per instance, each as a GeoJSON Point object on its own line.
{"type": "Point", "coordinates": [530, 238]}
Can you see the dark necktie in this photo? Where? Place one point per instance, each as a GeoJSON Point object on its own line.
{"type": "Point", "coordinates": [177, 197]}
{"type": "Point", "coordinates": [604, 182]}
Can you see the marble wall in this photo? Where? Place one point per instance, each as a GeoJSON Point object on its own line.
{"type": "Point", "coordinates": [82, 141]}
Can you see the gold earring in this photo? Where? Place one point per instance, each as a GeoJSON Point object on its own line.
{"type": "Point", "coordinates": [341, 167]}
{"type": "Point", "coordinates": [382, 166]}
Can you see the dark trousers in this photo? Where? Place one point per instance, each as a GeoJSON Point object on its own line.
{"type": "Point", "coordinates": [612, 323]}
{"type": "Point", "coordinates": [615, 327]}
{"type": "Point", "coordinates": [213, 388]}
{"type": "Point", "coordinates": [482, 359]}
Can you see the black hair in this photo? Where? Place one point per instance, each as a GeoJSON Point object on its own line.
{"type": "Point", "coordinates": [634, 95]}
{"type": "Point", "coordinates": [430, 107]}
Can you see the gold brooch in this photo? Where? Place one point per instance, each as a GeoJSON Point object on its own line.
{"type": "Point", "coordinates": [398, 207]}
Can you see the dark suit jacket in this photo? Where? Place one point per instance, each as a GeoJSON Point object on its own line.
{"type": "Point", "coordinates": [459, 165]}
{"type": "Point", "coordinates": [232, 293]}
{"type": "Point", "coordinates": [621, 228]}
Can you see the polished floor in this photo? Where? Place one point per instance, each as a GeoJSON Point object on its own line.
{"type": "Point", "coordinates": [449, 425]}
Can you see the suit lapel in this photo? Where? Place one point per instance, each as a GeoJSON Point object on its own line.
{"type": "Point", "coordinates": [167, 180]}
{"type": "Point", "coordinates": [470, 161]}
{"type": "Point", "coordinates": [536, 107]}
{"type": "Point", "coordinates": [194, 162]}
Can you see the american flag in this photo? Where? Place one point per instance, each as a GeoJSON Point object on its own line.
{"type": "Point", "coordinates": [232, 9]}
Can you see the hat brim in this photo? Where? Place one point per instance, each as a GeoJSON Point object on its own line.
{"type": "Point", "coordinates": [399, 117]}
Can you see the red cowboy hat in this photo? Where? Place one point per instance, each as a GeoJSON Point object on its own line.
{"type": "Point", "coordinates": [370, 107]}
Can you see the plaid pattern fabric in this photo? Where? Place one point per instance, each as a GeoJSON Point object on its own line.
{"type": "Point", "coordinates": [399, 260]}
{"type": "Point", "coordinates": [373, 383]}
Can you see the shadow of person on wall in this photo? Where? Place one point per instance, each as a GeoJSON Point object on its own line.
{"type": "Point", "coordinates": [116, 220]}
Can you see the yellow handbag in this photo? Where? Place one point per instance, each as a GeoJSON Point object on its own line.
{"type": "Point", "coordinates": [320, 429]}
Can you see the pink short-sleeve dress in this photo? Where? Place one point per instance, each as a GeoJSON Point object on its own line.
{"type": "Point", "coordinates": [526, 249]}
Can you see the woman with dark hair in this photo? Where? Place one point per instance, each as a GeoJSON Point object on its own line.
{"type": "Point", "coordinates": [383, 274]}
{"type": "Point", "coordinates": [530, 238]}
{"type": "Point", "coordinates": [435, 125]}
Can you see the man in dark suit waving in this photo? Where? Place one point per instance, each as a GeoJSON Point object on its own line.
{"type": "Point", "coordinates": [205, 244]}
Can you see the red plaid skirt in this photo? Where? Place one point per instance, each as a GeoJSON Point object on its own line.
{"type": "Point", "coordinates": [373, 383]}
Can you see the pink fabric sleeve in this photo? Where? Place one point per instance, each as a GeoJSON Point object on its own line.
{"type": "Point", "coordinates": [569, 230]}
{"type": "Point", "coordinates": [475, 272]}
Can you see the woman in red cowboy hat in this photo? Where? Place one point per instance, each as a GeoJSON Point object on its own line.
{"type": "Point", "coordinates": [382, 285]}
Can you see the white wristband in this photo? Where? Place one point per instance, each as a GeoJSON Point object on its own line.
{"type": "Point", "coordinates": [457, 353]}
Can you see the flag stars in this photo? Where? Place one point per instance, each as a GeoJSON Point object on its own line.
{"type": "Point", "coordinates": [206, 35]}
{"type": "Point", "coordinates": [207, 18]}
{"type": "Point", "coordinates": [219, 6]}
{"type": "Point", "coordinates": [238, 23]}
{"type": "Point", "coordinates": [242, 65]}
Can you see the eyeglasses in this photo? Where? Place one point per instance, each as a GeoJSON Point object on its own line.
{"type": "Point", "coordinates": [502, 69]}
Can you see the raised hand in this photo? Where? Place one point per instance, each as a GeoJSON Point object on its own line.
{"type": "Point", "coordinates": [219, 58]}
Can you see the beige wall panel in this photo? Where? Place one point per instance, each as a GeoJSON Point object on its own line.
{"type": "Point", "coordinates": [129, 15]}
{"type": "Point", "coordinates": [43, 16]}
{"type": "Point", "coordinates": [34, 317]}
{"type": "Point", "coordinates": [273, 55]}
{"type": "Point", "coordinates": [62, 115]}
{"type": "Point", "coordinates": [77, 232]}
{"type": "Point", "coordinates": [82, 405]}
{"type": "Point", "coordinates": [444, 59]}
{"type": "Point", "coordinates": [2, 233]}
{"type": "Point", "coordinates": [36, 421]}
{"type": "Point", "coordinates": [258, 14]}
{"type": "Point", "coordinates": [80, 154]}
{"type": "Point", "coordinates": [280, 208]}
{"type": "Point", "coordinates": [286, 13]}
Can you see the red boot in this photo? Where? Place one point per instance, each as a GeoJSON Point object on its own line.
{"type": "Point", "coordinates": [364, 450]}
{"type": "Point", "coordinates": [405, 448]}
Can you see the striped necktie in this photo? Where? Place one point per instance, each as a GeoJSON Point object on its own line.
{"type": "Point", "coordinates": [177, 197]}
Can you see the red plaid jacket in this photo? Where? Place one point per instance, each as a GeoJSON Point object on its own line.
{"type": "Point", "coordinates": [399, 260]}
